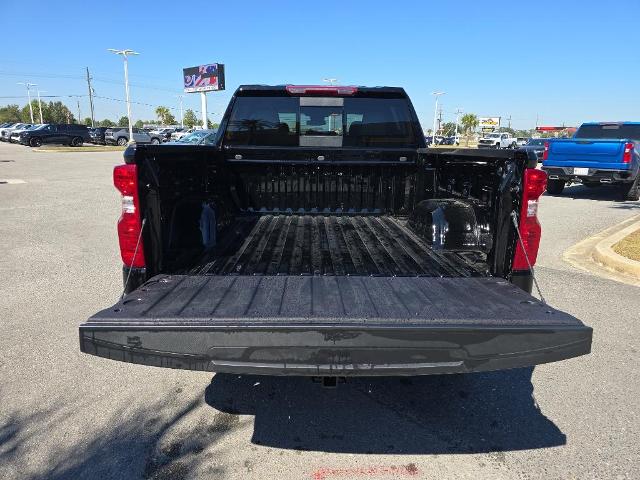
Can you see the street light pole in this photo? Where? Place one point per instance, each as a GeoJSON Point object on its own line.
{"type": "Point", "coordinates": [40, 105]}
{"type": "Point", "coordinates": [125, 54]}
{"type": "Point", "coordinates": [180, 97]}
{"type": "Point", "coordinates": [29, 85]}
{"type": "Point", "coordinates": [435, 118]}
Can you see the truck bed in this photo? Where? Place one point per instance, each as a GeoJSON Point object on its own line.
{"type": "Point", "coordinates": [331, 245]}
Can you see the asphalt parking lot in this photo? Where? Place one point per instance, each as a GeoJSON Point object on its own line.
{"type": "Point", "coordinates": [68, 415]}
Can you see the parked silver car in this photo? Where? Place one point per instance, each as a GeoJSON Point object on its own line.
{"type": "Point", "coordinates": [120, 136]}
{"type": "Point", "coordinates": [5, 133]}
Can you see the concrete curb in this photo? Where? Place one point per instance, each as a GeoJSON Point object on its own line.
{"type": "Point", "coordinates": [595, 254]}
{"type": "Point", "coordinates": [604, 254]}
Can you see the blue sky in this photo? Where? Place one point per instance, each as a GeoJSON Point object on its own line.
{"type": "Point", "coordinates": [564, 61]}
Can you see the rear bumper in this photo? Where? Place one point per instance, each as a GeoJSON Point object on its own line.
{"type": "Point", "coordinates": [332, 350]}
{"type": "Point", "coordinates": [594, 175]}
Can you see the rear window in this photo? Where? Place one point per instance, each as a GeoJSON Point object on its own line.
{"type": "Point", "coordinates": [358, 122]}
{"type": "Point", "coordinates": [614, 131]}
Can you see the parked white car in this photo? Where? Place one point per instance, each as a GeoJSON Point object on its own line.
{"type": "Point", "coordinates": [497, 140]}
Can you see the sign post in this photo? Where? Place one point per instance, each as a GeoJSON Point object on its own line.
{"type": "Point", "coordinates": [203, 79]}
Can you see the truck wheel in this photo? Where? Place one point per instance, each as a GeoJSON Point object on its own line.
{"type": "Point", "coordinates": [76, 141]}
{"type": "Point", "coordinates": [122, 141]}
{"type": "Point", "coordinates": [631, 191]}
{"type": "Point", "coordinates": [555, 187]}
{"type": "Point", "coordinates": [497, 146]}
{"type": "Point", "coordinates": [155, 141]}
{"type": "Point", "coordinates": [35, 142]}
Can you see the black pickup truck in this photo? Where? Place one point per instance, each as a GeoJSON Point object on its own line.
{"type": "Point", "coordinates": [320, 237]}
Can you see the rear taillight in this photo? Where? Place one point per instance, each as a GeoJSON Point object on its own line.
{"type": "Point", "coordinates": [320, 90]}
{"type": "Point", "coordinates": [545, 154]}
{"type": "Point", "coordinates": [628, 153]}
{"type": "Point", "coordinates": [125, 179]}
{"type": "Point", "coordinates": [535, 182]}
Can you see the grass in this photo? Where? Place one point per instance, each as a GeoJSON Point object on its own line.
{"type": "Point", "coordinates": [629, 246]}
{"type": "Point", "coordinates": [84, 148]}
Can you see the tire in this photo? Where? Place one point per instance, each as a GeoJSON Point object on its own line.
{"type": "Point", "coordinates": [122, 141]}
{"type": "Point", "coordinates": [497, 146]}
{"type": "Point", "coordinates": [35, 142]}
{"type": "Point", "coordinates": [76, 142]}
{"type": "Point", "coordinates": [555, 187]}
{"type": "Point", "coordinates": [631, 191]}
{"type": "Point", "coordinates": [155, 141]}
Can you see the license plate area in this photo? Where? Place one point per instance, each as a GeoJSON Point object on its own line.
{"type": "Point", "coordinates": [580, 171]}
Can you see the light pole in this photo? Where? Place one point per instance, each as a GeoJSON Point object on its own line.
{"type": "Point", "coordinates": [435, 117]}
{"type": "Point", "coordinates": [180, 97]}
{"type": "Point", "coordinates": [29, 85]}
{"type": "Point", "coordinates": [125, 54]}
{"type": "Point", "coordinates": [40, 105]}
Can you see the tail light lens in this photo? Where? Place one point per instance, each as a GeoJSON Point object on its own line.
{"type": "Point", "coordinates": [628, 153]}
{"type": "Point", "coordinates": [545, 154]}
{"type": "Point", "coordinates": [125, 179]}
{"type": "Point", "coordinates": [535, 183]}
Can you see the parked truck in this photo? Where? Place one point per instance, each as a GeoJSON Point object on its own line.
{"type": "Point", "coordinates": [497, 140]}
{"type": "Point", "coordinates": [598, 153]}
{"type": "Point", "coordinates": [318, 236]}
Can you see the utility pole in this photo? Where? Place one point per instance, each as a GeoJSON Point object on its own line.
{"type": "Point", "coordinates": [79, 116]}
{"type": "Point", "coordinates": [435, 117]}
{"type": "Point", "coordinates": [40, 105]}
{"type": "Point", "coordinates": [458, 112]}
{"type": "Point", "coordinates": [93, 121]}
{"type": "Point", "coordinates": [509, 120]}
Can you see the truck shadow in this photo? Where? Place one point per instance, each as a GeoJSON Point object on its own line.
{"type": "Point", "coordinates": [610, 193]}
{"type": "Point", "coordinates": [473, 413]}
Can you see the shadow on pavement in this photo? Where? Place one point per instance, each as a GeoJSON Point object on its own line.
{"type": "Point", "coordinates": [610, 193]}
{"type": "Point", "coordinates": [142, 443]}
{"type": "Point", "coordinates": [420, 415]}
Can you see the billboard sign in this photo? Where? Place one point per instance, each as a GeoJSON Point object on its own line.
{"type": "Point", "coordinates": [489, 124]}
{"type": "Point", "coordinates": [204, 78]}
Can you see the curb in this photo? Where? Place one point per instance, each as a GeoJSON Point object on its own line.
{"type": "Point", "coordinates": [595, 254]}
{"type": "Point", "coordinates": [604, 254]}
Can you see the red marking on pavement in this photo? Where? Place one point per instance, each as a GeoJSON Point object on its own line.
{"type": "Point", "coordinates": [402, 470]}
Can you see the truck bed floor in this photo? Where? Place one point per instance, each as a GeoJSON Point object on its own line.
{"type": "Point", "coordinates": [330, 245]}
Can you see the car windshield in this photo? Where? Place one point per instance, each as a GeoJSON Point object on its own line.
{"type": "Point", "coordinates": [493, 135]}
{"type": "Point", "coordinates": [193, 137]}
{"type": "Point", "coordinates": [536, 142]}
{"type": "Point", "coordinates": [616, 131]}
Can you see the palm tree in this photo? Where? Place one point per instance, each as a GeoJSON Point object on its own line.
{"type": "Point", "coordinates": [162, 114]}
{"type": "Point", "coordinates": [469, 123]}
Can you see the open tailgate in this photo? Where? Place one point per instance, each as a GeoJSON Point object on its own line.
{"type": "Point", "coordinates": [333, 325]}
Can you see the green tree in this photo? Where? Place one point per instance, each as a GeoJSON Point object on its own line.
{"type": "Point", "coordinates": [106, 123]}
{"type": "Point", "coordinates": [57, 112]}
{"type": "Point", "coordinates": [138, 124]}
{"type": "Point", "coordinates": [162, 114]}
{"type": "Point", "coordinates": [448, 128]}
{"type": "Point", "coordinates": [10, 113]}
{"type": "Point", "coordinates": [190, 118]}
{"type": "Point", "coordinates": [87, 121]}
{"type": "Point", "coordinates": [25, 113]}
{"type": "Point", "coordinates": [123, 122]}
{"type": "Point", "coordinates": [469, 123]}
